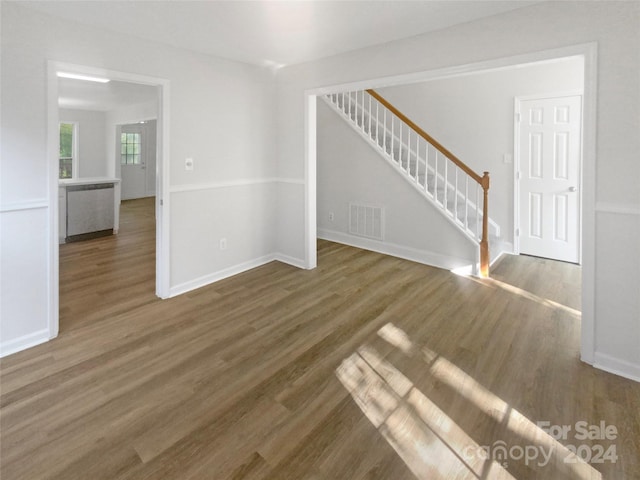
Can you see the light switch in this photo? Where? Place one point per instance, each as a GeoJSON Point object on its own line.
{"type": "Point", "coordinates": [507, 158]}
{"type": "Point", "coordinates": [188, 164]}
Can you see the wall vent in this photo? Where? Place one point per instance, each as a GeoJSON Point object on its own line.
{"type": "Point", "coordinates": [365, 221]}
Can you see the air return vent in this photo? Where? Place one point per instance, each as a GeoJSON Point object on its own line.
{"type": "Point", "coordinates": [365, 221]}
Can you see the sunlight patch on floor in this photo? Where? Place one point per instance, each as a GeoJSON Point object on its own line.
{"type": "Point", "coordinates": [428, 441]}
{"type": "Point", "coordinates": [493, 283]}
{"type": "Point", "coordinates": [432, 444]}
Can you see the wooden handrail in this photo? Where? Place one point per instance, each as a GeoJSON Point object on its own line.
{"type": "Point", "coordinates": [482, 180]}
{"type": "Point", "coordinates": [426, 136]}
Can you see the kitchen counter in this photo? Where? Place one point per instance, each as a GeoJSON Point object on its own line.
{"type": "Point", "coordinates": [87, 181]}
{"type": "Point", "coordinates": [89, 207]}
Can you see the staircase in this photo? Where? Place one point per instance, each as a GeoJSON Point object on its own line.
{"type": "Point", "coordinates": [454, 189]}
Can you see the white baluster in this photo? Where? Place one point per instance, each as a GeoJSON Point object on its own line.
{"type": "Point", "coordinates": [417, 159]}
{"type": "Point", "coordinates": [377, 123]}
{"type": "Point", "coordinates": [409, 152]}
{"type": "Point", "coordinates": [369, 96]}
{"type": "Point", "coordinates": [411, 173]}
{"type": "Point", "coordinates": [393, 135]}
{"type": "Point", "coordinates": [455, 196]}
{"type": "Point", "coordinates": [417, 178]}
{"type": "Point", "coordinates": [426, 167]}
{"type": "Point", "coordinates": [477, 210]}
{"type": "Point", "coordinates": [384, 130]}
{"type": "Point", "coordinates": [435, 178]}
{"type": "Point", "coordinates": [363, 129]}
{"type": "Point", "coordinates": [400, 145]}
{"type": "Point", "coordinates": [446, 183]}
{"type": "Point", "coordinates": [466, 202]}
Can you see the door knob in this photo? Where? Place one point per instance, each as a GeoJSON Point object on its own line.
{"type": "Point", "coordinates": [573, 189]}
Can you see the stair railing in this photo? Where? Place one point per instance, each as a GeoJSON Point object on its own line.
{"type": "Point", "coordinates": [411, 149]}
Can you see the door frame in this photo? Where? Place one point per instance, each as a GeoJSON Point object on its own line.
{"type": "Point", "coordinates": [589, 51]}
{"type": "Point", "coordinates": [162, 177]}
{"type": "Point", "coordinates": [517, 107]}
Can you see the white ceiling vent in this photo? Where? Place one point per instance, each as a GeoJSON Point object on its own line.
{"type": "Point", "coordinates": [365, 221]}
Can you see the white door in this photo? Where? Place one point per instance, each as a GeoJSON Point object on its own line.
{"type": "Point", "coordinates": [138, 159]}
{"type": "Point", "coordinates": [550, 155]}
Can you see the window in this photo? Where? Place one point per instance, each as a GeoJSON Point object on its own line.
{"type": "Point", "coordinates": [67, 150]}
{"type": "Point", "coordinates": [130, 149]}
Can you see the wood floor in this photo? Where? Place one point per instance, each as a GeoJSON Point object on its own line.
{"type": "Point", "coordinates": [368, 367]}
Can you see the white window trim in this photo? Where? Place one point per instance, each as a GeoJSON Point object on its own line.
{"type": "Point", "coordinates": [75, 148]}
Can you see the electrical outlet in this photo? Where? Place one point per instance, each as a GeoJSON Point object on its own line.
{"type": "Point", "coordinates": [223, 244]}
{"type": "Point", "coordinates": [331, 216]}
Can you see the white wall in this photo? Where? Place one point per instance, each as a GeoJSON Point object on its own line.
{"type": "Point", "coordinates": [24, 248]}
{"type": "Point", "coordinates": [243, 215]}
{"type": "Point", "coordinates": [472, 115]}
{"type": "Point", "coordinates": [221, 115]}
{"type": "Point", "coordinates": [615, 26]}
{"type": "Point", "coordinates": [349, 170]}
{"type": "Point", "coordinates": [92, 151]}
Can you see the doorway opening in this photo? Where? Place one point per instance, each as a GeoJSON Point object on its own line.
{"type": "Point", "coordinates": [129, 98]}
{"type": "Point", "coordinates": [587, 52]}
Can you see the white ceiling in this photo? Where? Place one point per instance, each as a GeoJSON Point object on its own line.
{"type": "Point", "coordinates": [274, 33]}
{"type": "Point", "coordinates": [83, 95]}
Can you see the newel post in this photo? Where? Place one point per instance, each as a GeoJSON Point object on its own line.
{"type": "Point", "coordinates": [484, 242]}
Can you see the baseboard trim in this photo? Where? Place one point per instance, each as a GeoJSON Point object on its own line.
{"type": "Point", "coordinates": [507, 249]}
{"type": "Point", "coordinates": [234, 270]}
{"type": "Point", "coordinates": [294, 262]}
{"type": "Point", "coordinates": [219, 275]}
{"type": "Point", "coordinates": [616, 366]}
{"type": "Point", "coordinates": [408, 253]}
{"type": "Point", "coordinates": [22, 343]}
